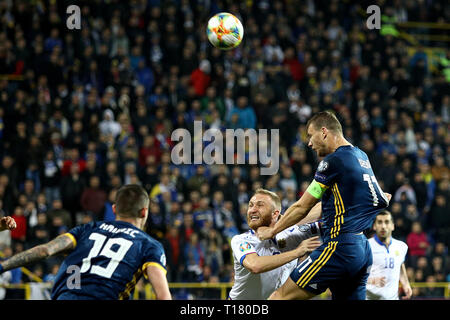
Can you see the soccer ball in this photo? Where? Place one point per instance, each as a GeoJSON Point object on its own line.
{"type": "Point", "coordinates": [225, 31]}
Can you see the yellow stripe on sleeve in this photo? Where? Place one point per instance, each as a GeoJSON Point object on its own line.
{"type": "Point", "coordinates": [155, 264]}
{"type": "Point", "coordinates": [74, 241]}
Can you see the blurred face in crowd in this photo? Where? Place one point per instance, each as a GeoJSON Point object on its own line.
{"type": "Point", "coordinates": [261, 211]}
{"type": "Point", "coordinates": [383, 226]}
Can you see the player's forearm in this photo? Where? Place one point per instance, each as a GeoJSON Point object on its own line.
{"type": "Point", "coordinates": [313, 215]}
{"type": "Point", "coordinates": [26, 257]}
{"type": "Point", "coordinates": [37, 253]}
{"type": "Point", "coordinates": [404, 277]}
{"type": "Point", "coordinates": [266, 263]}
{"type": "Point", "coordinates": [294, 214]}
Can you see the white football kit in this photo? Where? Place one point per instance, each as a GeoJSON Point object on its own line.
{"type": "Point", "coordinates": [251, 286]}
{"type": "Point", "coordinates": [387, 262]}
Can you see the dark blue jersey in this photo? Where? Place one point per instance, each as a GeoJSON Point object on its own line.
{"type": "Point", "coordinates": [110, 258]}
{"type": "Point", "coordinates": [353, 197]}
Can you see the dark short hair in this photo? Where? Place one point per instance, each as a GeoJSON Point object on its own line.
{"type": "Point", "coordinates": [385, 213]}
{"type": "Point", "coordinates": [325, 119]}
{"type": "Point", "coordinates": [130, 199]}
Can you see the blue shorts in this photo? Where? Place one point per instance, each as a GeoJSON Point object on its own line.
{"type": "Point", "coordinates": [343, 265]}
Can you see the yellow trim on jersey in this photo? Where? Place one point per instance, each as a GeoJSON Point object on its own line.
{"type": "Point", "coordinates": [155, 264]}
{"type": "Point", "coordinates": [340, 210]}
{"type": "Point", "coordinates": [337, 209]}
{"type": "Point", "coordinates": [317, 265]}
{"type": "Point", "coordinates": [130, 285]}
{"type": "Point", "coordinates": [323, 186]}
{"type": "Point", "coordinates": [331, 248]}
{"type": "Point", "coordinates": [74, 241]}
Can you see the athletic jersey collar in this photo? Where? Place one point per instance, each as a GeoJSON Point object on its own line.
{"type": "Point", "coordinates": [382, 243]}
{"type": "Point", "coordinates": [127, 224]}
{"type": "Point", "coordinates": [273, 239]}
{"type": "Point", "coordinates": [344, 146]}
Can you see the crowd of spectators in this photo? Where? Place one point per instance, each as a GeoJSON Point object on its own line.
{"type": "Point", "coordinates": [86, 111]}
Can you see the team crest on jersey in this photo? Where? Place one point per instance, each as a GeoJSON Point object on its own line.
{"type": "Point", "coordinates": [397, 253]}
{"type": "Point", "coordinates": [323, 165]}
{"type": "Point", "coordinates": [245, 246]}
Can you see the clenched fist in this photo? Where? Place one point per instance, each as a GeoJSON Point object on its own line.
{"type": "Point", "coordinates": [7, 223]}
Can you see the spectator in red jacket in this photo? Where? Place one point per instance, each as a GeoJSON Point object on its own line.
{"type": "Point", "coordinates": [200, 78]}
{"type": "Point", "coordinates": [20, 232]}
{"type": "Point", "coordinates": [417, 241]}
{"type": "Point", "coordinates": [74, 157]}
{"type": "Point", "coordinates": [150, 147]}
{"type": "Point", "coordinates": [93, 198]}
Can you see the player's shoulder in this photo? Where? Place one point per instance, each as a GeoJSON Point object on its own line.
{"type": "Point", "coordinates": [400, 244]}
{"type": "Point", "coordinates": [83, 228]}
{"type": "Point", "coordinates": [248, 236]}
{"type": "Point", "coordinates": [330, 162]}
{"type": "Point", "coordinates": [372, 241]}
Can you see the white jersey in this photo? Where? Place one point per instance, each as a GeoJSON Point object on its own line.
{"type": "Point", "coordinates": [251, 286]}
{"type": "Point", "coordinates": [387, 262]}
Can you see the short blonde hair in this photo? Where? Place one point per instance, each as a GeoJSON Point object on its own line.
{"type": "Point", "coordinates": [275, 198]}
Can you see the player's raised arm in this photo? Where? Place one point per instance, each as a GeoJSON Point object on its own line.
{"type": "Point", "coordinates": [296, 212]}
{"type": "Point", "coordinates": [314, 214]}
{"type": "Point", "coordinates": [58, 245]}
{"type": "Point", "coordinates": [157, 277]}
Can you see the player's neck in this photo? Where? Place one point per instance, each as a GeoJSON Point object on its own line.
{"type": "Point", "coordinates": [134, 221]}
{"type": "Point", "coordinates": [386, 241]}
{"type": "Point", "coordinates": [340, 141]}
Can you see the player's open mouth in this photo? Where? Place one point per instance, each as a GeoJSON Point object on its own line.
{"type": "Point", "coordinates": [254, 217]}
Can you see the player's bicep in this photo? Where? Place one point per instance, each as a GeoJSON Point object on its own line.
{"type": "Point", "coordinates": [156, 274]}
{"type": "Point", "coordinates": [241, 248]}
{"type": "Point", "coordinates": [249, 260]}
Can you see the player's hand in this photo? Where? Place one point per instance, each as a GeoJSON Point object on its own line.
{"type": "Point", "coordinates": [309, 245]}
{"type": "Point", "coordinates": [379, 281]}
{"type": "Point", "coordinates": [7, 223]}
{"type": "Point", "coordinates": [265, 233]}
{"type": "Point", "coordinates": [408, 293]}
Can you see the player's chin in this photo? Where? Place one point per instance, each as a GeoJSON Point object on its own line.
{"type": "Point", "coordinates": [254, 224]}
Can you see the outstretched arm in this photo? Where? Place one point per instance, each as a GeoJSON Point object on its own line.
{"type": "Point", "coordinates": [259, 264]}
{"type": "Point", "coordinates": [295, 213]}
{"type": "Point", "coordinates": [58, 245]}
{"type": "Point", "coordinates": [314, 214]}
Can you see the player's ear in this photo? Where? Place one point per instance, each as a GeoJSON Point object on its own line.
{"type": "Point", "coordinates": [114, 209]}
{"type": "Point", "coordinates": [324, 132]}
{"type": "Point", "coordinates": [143, 212]}
{"type": "Point", "coordinates": [276, 215]}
